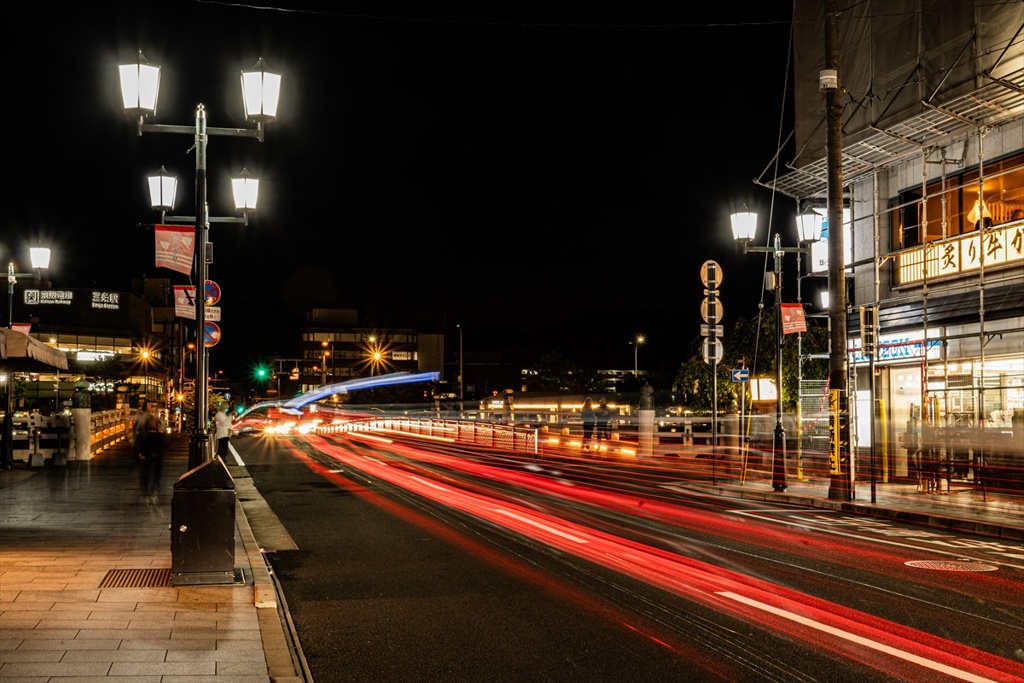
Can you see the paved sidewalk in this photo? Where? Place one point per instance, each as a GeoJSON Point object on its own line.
{"type": "Point", "coordinates": [85, 584]}
{"type": "Point", "coordinates": [962, 508]}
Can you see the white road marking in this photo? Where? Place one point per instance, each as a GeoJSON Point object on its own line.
{"type": "Point", "coordinates": [860, 640]}
{"type": "Point", "coordinates": [427, 482]}
{"type": "Point", "coordinates": [533, 522]}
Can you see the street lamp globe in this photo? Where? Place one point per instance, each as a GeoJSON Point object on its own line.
{"type": "Point", "coordinates": [744, 225]}
{"type": "Point", "coordinates": [40, 257]}
{"type": "Point", "coordinates": [163, 186]}
{"type": "Point", "coordinates": [140, 86]}
{"type": "Point", "coordinates": [246, 190]}
{"type": "Point", "coordinates": [808, 225]}
{"type": "Point", "coordinates": [261, 92]}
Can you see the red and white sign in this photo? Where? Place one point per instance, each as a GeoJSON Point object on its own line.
{"type": "Point", "coordinates": [185, 301]}
{"type": "Point", "coordinates": [212, 292]}
{"type": "Point", "coordinates": [211, 334]}
{"type": "Point", "coordinates": [793, 318]}
{"type": "Point", "coordinates": [185, 304]}
{"type": "Point", "coordinates": [174, 247]}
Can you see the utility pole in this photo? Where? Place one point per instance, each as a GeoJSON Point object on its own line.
{"type": "Point", "coordinates": [841, 483]}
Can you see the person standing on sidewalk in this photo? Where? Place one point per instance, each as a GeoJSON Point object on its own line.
{"type": "Point", "coordinates": [222, 424]}
{"type": "Point", "coordinates": [604, 416]}
{"type": "Point", "coordinates": [587, 413]}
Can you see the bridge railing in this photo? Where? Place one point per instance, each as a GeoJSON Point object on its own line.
{"type": "Point", "coordinates": [506, 437]}
{"type": "Point", "coordinates": [37, 438]}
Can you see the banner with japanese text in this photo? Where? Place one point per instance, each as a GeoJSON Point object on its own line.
{"type": "Point", "coordinates": [185, 301]}
{"type": "Point", "coordinates": [793, 318]}
{"type": "Point", "coordinates": [174, 247]}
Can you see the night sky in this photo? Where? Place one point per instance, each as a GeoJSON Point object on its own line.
{"type": "Point", "coordinates": [550, 179]}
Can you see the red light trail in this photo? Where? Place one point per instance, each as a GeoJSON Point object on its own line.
{"type": "Point", "coordinates": [851, 633]}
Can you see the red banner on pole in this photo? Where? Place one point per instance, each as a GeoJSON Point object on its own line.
{"type": "Point", "coordinates": [793, 318]}
{"type": "Point", "coordinates": [185, 301]}
{"type": "Point", "coordinates": [174, 247]}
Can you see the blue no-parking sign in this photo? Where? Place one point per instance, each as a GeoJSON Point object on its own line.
{"type": "Point", "coordinates": [211, 334]}
{"type": "Point", "coordinates": [212, 292]}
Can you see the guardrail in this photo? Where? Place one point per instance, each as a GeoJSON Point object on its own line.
{"type": "Point", "coordinates": [507, 437]}
{"type": "Point", "coordinates": [37, 438]}
{"type": "Point", "coordinates": [108, 427]}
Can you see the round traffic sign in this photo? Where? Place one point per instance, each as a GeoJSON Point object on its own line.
{"type": "Point", "coordinates": [711, 274]}
{"type": "Point", "coordinates": [719, 351]}
{"type": "Point", "coordinates": [710, 308]}
{"type": "Point", "coordinates": [211, 292]}
{"type": "Point", "coordinates": [211, 334]}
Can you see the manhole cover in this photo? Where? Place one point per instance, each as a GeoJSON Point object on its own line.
{"type": "Point", "coordinates": [952, 566]}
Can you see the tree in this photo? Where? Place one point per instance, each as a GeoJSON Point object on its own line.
{"type": "Point", "coordinates": [754, 341]}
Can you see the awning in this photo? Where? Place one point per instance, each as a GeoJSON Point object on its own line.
{"type": "Point", "coordinates": [17, 346]}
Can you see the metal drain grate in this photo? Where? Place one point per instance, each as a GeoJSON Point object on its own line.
{"type": "Point", "coordinates": [952, 566]}
{"type": "Point", "coordinates": [137, 578]}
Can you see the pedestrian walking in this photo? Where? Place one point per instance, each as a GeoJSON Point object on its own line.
{"type": "Point", "coordinates": [589, 421]}
{"type": "Point", "coordinates": [222, 424]}
{"type": "Point", "coordinates": [603, 416]}
{"type": "Point", "coordinates": [149, 452]}
{"type": "Point", "coordinates": [155, 436]}
{"type": "Point", "coordinates": [138, 436]}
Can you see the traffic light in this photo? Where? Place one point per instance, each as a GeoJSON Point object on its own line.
{"type": "Point", "coordinates": [262, 373]}
{"type": "Point", "coordinates": [868, 329]}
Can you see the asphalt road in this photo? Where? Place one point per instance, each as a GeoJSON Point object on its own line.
{"type": "Point", "coordinates": [418, 566]}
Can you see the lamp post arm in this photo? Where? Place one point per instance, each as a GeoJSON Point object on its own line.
{"type": "Point", "coordinates": [190, 220]}
{"type": "Point", "coordinates": [256, 133]}
{"type": "Point", "coordinates": [773, 249]}
{"type": "Point", "coordinates": [12, 277]}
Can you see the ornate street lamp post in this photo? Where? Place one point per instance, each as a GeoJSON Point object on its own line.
{"type": "Point", "coordinates": [40, 257]}
{"type": "Point", "coordinates": [140, 84]}
{"type": "Point", "coordinates": [744, 226]}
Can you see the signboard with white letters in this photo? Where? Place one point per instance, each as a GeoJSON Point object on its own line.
{"type": "Point", "coordinates": [896, 348]}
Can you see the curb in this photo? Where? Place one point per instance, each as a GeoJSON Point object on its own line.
{"type": "Point", "coordinates": [282, 664]}
{"type": "Point", "coordinates": [1001, 531]}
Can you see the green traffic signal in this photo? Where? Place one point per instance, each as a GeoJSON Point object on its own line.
{"type": "Point", "coordinates": [262, 372]}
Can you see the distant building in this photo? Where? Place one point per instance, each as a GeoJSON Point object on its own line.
{"type": "Point", "coordinates": [335, 346]}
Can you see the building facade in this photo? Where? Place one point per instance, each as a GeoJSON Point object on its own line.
{"type": "Point", "coordinates": [126, 343]}
{"type": "Point", "coordinates": [933, 176]}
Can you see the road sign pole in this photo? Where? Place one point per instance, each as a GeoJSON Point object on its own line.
{"type": "Point", "coordinates": [711, 276]}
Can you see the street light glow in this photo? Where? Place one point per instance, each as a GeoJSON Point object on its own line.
{"type": "Point", "coordinates": [140, 86]}
{"type": "Point", "coordinates": [640, 339]}
{"type": "Point", "coordinates": [246, 190]}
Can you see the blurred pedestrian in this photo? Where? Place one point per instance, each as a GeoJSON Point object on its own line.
{"type": "Point", "coordinates": [149, 452]}
{"type": "Point", "coordinates": [138, 436]}
{"type": "Point", "coordinates": [222, 424]}
{"type": "Point", "coordinates": [154, 440]}
{"type": "Point", "coordinates": [589, 420]}
{"type": "Point", "coordinates": [603, 417]}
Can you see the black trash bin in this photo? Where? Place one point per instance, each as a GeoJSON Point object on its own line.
{"type": "Point", "coordinates": [203, 526]}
